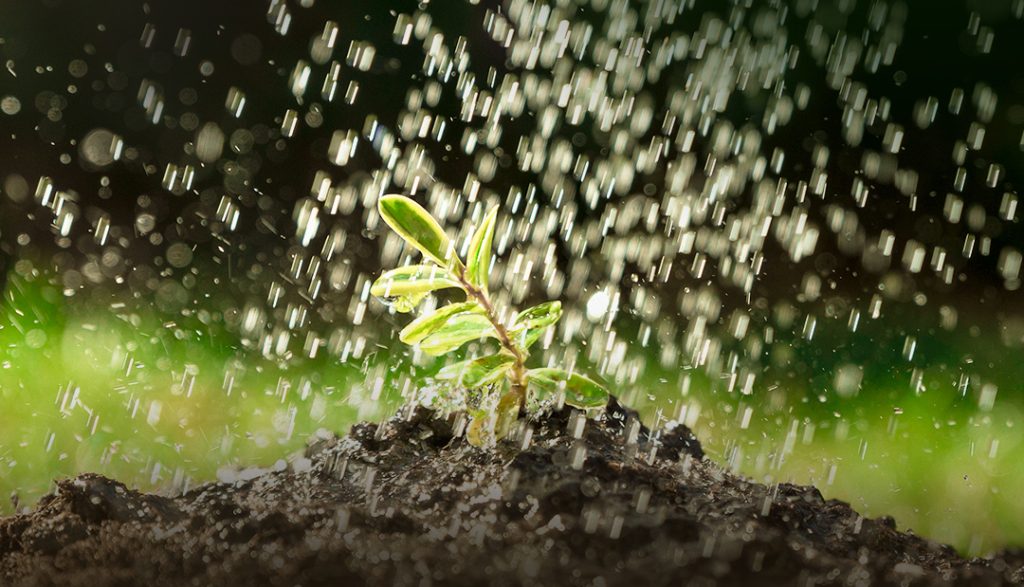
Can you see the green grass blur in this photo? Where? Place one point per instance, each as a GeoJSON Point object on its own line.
{"type": "Point", "coordinates": [149, 403]}
{"type": "Point", "coordinates": [162, 408]}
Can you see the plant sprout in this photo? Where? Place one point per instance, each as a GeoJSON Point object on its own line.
{"type": "Point", "coordinates": [496, 388]}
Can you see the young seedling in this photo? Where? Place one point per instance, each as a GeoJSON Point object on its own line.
{"type": "Point", "coordinates": [500, 385]}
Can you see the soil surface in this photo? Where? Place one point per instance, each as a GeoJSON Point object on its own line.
{"type": "Point", "coordinates": [598, 502]}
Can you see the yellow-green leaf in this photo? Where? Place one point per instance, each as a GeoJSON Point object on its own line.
{"type": "Point", "coordinates": [427, 324]}
{"type": "Point", "coordinates": [406, 304]}
{"type": "Point", "coordinates": [530, 324]}
{"type": "Point", "coordinates": [507, 414]}
{"type": "Point", "coordinates": [539, 316]}
{"type": "Point", "coordinates": [480, 432]}
{"type": "Point", "coordinates": [456, 332]}
{"type": "Point", "coordinates": [580, 391]}
{"type": "Point", "coordinates": [475, 373]}
{"type": "Point", "coordinates": [412, 280]}
{"type": "Point", "coordinates": [478, 263]}
{"type": "Point", "coordinates": [414, 224]}
{"type": "Point", "coordinates": [526, 337]}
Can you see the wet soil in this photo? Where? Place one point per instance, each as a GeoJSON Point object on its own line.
{"type": "Point", "coordinates": [409, 503]}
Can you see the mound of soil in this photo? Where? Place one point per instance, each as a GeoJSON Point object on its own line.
{"type": "Point", "coordinates": [599, 502]}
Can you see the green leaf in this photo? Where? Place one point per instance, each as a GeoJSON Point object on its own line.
{"type": "Point", "coordinates": [456, 332]}
{"type": "Point", "coordinates": [580, 391]}
{"type": "Point", "coordinates": [525, 338]}
{"type": "Point", "coordinates": [539, 316]}
{"type": "Point", "coordinates": [480, 432]}
{"type": "Point", "coordinates": [406, 304]}
{"type": "Point", "coordinates": [414, 224]}
{"type": "Point", "coordinates": [412, 280]}
{"type": "Point", "coordinates": [479, 372]}
{"type": "Point", "coordinates": [427, 324]}
{"type": "Point", "coordinates": [507, 414]}
{"type": "Point", "coordinates": [530, 324]}
{"type": "Point", "coordinates": [478, 264]}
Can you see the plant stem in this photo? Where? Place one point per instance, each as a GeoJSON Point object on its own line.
{"type": "Point", "coordinates": [518, 371]}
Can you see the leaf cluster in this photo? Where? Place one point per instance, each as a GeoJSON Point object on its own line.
{"type": "Point", "coordinates": [451, 326]}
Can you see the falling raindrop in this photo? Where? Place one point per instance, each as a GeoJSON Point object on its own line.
{"type": "Point", "coordinates": [100, 147]}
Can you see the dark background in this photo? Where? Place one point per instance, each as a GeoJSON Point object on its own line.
{"type": "Point", "coordinates": [42, 39]}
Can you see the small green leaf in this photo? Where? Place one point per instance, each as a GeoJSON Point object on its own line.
{"type": "Point", "coordinates": [478, 263]}
{"type": "Point", "coordinates": [530, 324]}
{"type": "Point", "coordinates": [427, 324]}
{"type": "Point", "coordinates": [406, 304]}
{"type": "Point", "coordinates": [411, 280]}
{"type": "Point", "coordinates": [526, 337]}
{"type": "Point", "coordinates": [539, 316]}
{"type": "Point", "coordinates": [456, 332]}
{"type": "Point", "coordinates": [475, 373]}
{"type": "Point", "coordinates": [507, 415]}
{"type": "Point", "coordinates": [453, 371]}
{"type": "Point", "coordinates": [480, 432]}
{"type": "Point", "coordinates": [580, 391]}
{"type": "Point", "coordinates": [414, 224]}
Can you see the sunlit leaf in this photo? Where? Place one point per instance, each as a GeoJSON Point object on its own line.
{"type": "Point", "coordinates": [539, 316]}
{"type": "Point", "coordinates": [427, 324]}
{"type": "Point", "coordinates": [531, 323]}
{"type": "Point", "coordinates": [474, 373]}
{"type": "Point", "coordinates": [478, 263]}
{"type": "Point", "coordinates": [412, 280]}
{"type": "Point", "coordinates": [453, 371]}
{"type": "Point", "coordinates": [525, 338]}
{"type": "Point", "coordinates": [407, 303]}
{"type": "Point", "coordinates": [580, 391]}
{"type": "Point", "coordinates": [414, 224]}
{"type": "Point", "coordinates": [456, 332]}
{"type": "Point", "coordinates": [480, 432]}
{"type": "Point", "coordinates": [507, 415]}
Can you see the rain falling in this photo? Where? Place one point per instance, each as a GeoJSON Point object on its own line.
{"type": "Point", "coordinates": [790, 226]}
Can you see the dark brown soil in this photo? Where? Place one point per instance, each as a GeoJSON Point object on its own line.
{"type": "Point", "coordinates": [405, 503]}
